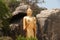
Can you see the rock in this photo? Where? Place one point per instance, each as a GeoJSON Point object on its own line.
{"type": "Point", "coordinates": [49, 21]}
{"type": "Point", "coordinates": [20, 8]}
{"type": "Point", "coordinates": [6, 38]}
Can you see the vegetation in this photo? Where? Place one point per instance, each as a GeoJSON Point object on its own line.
{"type": "Point", "coordinates": [23, 38]}
{"type": "Point", "coordinates": [4, 18]}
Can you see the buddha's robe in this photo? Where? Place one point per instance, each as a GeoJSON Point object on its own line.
{"type": "Point", "coordinates": [29, 25]}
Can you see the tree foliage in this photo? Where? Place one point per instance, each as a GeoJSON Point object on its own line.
{"type": "Point", "coordinates": [4, 17]}
{"type": "Point", "coordinates": [3, 10]}
{"type": "Point", "coordinates": [32, 1]}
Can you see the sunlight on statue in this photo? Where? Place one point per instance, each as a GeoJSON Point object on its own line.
{"type": "Point", "coordinates": [29, 24]}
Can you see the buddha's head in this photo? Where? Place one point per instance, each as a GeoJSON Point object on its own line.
{"type": "Point", "coordinates": [29, 12]}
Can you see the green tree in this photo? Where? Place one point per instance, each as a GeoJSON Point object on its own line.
{"type": "Point", "coordinates": [4, 16]}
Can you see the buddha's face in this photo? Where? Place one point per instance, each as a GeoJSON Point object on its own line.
{"type": "Point", "coordinates": [29, 12]}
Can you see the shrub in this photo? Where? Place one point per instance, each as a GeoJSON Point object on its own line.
{"type": "Point", "coordinates": [24, 38]}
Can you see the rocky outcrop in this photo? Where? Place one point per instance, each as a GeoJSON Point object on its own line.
{"type": "Point", "coordinates": [49, 21]}
{"type": "Point", "coordinates": [17, 16]}
{"type": "Point", "coordinates": [21, 8]}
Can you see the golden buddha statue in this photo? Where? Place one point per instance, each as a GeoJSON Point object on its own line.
{"type": "Point", "coordinates": [29, 24]}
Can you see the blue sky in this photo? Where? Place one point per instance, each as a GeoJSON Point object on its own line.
{"type": "Point", "coordinates": [51, 4]}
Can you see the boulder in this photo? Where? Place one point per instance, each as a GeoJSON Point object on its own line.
{"type": "Point", "coordinates": [49, 21]}
{"type": "Point", "coordinates": [21, 8]}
